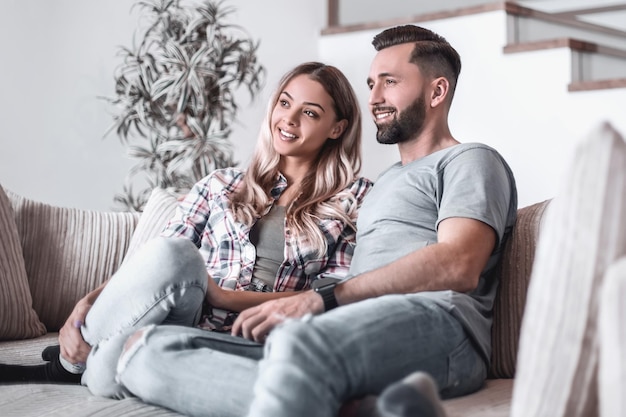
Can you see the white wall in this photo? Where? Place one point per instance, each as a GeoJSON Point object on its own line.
{"type": "Point", "coordinates": [59, 57]}
{"type": "Point", "coordinates": [517, 103]}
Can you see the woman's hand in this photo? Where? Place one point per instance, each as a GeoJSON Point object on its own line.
{"type": "Point", "coordinates": [73, 346]}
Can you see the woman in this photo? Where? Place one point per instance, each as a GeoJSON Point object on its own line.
{"type": "Point", "coordinates": [262, 233]}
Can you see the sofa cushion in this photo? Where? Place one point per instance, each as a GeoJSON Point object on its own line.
{"type": "Point", "coordinates": [68, 252]}
{"type": "Point", "coordinates": [514, 272]}
{"type": "Point", "coordinates": [157, 212]}
{"type": "Point", "coordinates": [19, 320]}
{"type": "Point", "coordinates": [582, 235]}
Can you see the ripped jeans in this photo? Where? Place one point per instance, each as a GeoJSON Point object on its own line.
{"type": "Point", "coordinates": [308, 367]}
{"type": "Point", "coordinates": [164, 283]}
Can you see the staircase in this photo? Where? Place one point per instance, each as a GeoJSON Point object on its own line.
{"type": "Point", "coordinates": [598, 52]}
{"type": "Point", "coordinates": [598, 58]}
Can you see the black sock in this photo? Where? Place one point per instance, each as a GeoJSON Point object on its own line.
{"type": "Point", "coordinates": [50, 353]}
{"type": "Point", "coordinates": [52, 371]}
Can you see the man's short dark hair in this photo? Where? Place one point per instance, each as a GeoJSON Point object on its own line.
{"type": "Point", "coordinates": [432, 53]}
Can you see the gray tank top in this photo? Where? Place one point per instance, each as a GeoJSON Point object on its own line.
{"type": "Point", "coordinates": [268, 236]}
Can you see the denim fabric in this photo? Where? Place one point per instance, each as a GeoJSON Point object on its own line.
{"type": "Point", "coordinates": [312, 366]}
{"type": "Point", "coordinates": [193, 371]}
{"type": "Point", "coordinates": [164, 282]}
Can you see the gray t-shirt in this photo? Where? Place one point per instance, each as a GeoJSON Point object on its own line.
{"type": "Point", "coordinates": [402, 211]}
{"type": "Point", "coordinates": [268, 237]}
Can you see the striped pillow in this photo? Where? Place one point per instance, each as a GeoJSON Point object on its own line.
{"type": "Point", "coordinates": [18, 320]}
{"type": "Point", "coordinates": [68, 252]}
{"type": "Point", "coordinates": [158, 211]}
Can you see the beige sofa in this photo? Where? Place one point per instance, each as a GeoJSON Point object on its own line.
{"type": "Point", "coordinates": [51, 256]}
{"type": "Point", "coordinates": [567, 356]}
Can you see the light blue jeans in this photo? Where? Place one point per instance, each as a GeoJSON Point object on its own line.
{"type": "Point", "coordinates": [310, 366]}
{"type": "Point", "coordinates": [156, 297]}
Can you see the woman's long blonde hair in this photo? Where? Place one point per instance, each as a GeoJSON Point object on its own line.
{"type": "Point", "coordinates": [322, 193]}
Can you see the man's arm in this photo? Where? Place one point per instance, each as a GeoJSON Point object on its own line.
{"type": "Point", "coordinates": [453, 263]}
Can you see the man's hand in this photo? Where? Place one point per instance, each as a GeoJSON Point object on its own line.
{"type": "Point", "coordinates": [73, 346]}
{"type": "Point", "coordinates": [256, 323]}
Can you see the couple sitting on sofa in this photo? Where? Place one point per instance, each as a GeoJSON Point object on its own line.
{"type": "Point", "coordinates": [290, 217]}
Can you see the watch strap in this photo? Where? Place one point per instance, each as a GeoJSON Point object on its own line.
{"type": "Point", "coordinates": [327, 292]}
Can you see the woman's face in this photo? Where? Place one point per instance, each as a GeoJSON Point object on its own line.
{"type": "Point", "coordinates": [303, 119]}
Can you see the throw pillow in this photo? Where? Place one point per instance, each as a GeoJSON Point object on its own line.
{"type": "Point", "coordinates": [583, 234]}
{"type": "Point", "coordinates": [68, 252]}
{"type": "Point", "coordinates": [157, 212]}
{"type": "Point", "coordinates": [18, 319]}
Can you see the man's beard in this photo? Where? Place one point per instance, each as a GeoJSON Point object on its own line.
{"type": "Point", "coordinates": [404, 127]}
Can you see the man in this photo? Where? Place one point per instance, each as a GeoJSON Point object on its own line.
{"type": "Point", "coordinates": [429, 236]}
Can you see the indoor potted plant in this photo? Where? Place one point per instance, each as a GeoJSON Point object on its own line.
{"type": "Point", "coordinates": [174, 95]}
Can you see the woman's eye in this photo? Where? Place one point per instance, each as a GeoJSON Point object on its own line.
{"type": "Point", "coordinates": [283, 103]}
{"type": "Point", "coordinates": [310, 113]}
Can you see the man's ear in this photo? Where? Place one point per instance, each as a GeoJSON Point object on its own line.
{"type": "Point", "coordinates": [441, 88]}
{"type": "Point", "coordinates": [338, 129]}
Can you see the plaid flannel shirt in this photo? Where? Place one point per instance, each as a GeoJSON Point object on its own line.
{"type": "Point", "coordinates": [205, 217]}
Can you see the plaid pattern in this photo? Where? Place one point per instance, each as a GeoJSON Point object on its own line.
{"type": "Point", "coordinates": [205, 217]}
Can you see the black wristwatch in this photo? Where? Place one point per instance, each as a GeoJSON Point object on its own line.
{"type": "Point", "coordinates": [325, 287]}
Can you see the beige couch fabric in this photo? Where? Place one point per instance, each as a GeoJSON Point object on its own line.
{"type": "Point", "coordinates": [68, 252]}
{"type": "Point", "coordinates": [18, 320]}
{"type": "Point", "coordinates": [583, 235]}
{"type": "Point", "coordinates": [514, 272]}
{"type": "Point", "coordinates": [612, 331]}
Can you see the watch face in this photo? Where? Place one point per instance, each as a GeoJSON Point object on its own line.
{"type": "Point", "coordinates": [327, 288]}
{"type": "Point", "coordinates": [324, 282]}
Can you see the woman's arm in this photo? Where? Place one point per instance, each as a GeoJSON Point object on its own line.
{"type": "Point", "coordinates": [240, 300]}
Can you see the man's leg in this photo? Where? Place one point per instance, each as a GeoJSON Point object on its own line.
{"type": "Point", "coordinates": [313, 365]}
{"type": "Point", "coordinates": [192, 371]}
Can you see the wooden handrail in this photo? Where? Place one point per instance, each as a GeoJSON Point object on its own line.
{"type": "Point", "coordinates": [572, 13]}
{"type": "Point", "coordinates": [334, 25]}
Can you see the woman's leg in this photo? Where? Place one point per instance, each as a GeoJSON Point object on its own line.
{"type": "Point", "coordinates": [164, 282]}
{"type": "Point", "coordinates": [314, 365]}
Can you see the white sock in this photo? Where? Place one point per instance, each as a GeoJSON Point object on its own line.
{"type": "Point", "coordinates": [75, 368]}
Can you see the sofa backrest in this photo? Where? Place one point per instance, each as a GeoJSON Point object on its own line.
{"type": "Point", "coordinates": [514, 272]}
